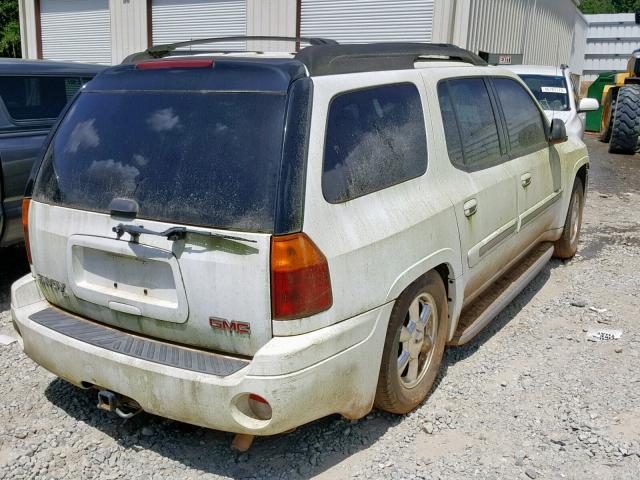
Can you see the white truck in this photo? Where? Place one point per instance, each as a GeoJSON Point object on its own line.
{"type": "Point", "coordinates": [250, 242]}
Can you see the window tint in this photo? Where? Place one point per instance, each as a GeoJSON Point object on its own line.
{"type": "Point", "coordinates": [473, 116]}
{"type": "Point", "coordinates": [185, 157]}
{"type": "Point", "coordinates": [375, 139]}
{"type": "Point", "coordinates": [451, 131]}
{"type": "Point", "coordinates": [37, 98]}
{"type": "Point", "coordinates": [524, 120]}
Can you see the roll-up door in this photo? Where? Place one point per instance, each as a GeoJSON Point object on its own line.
{"type": "Point", "coordinates": [76, 30]}
{"type": "Point", "coordinates": [360, 21]}
{"type": "Point", "coordinates": [180, 20]}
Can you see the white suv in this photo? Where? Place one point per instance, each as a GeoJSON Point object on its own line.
{"type": "Point", "coordinates": [249, 243]}
{"type": "Point", "coordinates": [558, 94]}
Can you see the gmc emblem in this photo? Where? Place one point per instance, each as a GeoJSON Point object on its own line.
{"type": "Point", "coordinates": [241, 328]}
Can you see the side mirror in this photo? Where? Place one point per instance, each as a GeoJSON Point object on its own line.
{"type": "Point", "coordinates": [588, 105]}
{"type": "Point", "coordinates": [558, 132]}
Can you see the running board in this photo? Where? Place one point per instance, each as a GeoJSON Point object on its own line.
{"type": "Point", "coordinates": [478, 314]}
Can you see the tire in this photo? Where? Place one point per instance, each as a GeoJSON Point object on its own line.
{"type": "Point", "coordinates": [608, 110]}
{"type": "Point", "coordinates": [402, 391]}
{"type": "Point", "coordinates": [626, 121]}
{"type": "Point", "coordinates": [567, 245]}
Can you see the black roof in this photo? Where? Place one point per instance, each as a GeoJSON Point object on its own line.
{"type": "Point", "coordinates": [336, 59]}
{"type": "Point", "coordinates": [327, 57]}
{"type": "Point", "coordinates": [19, 66]}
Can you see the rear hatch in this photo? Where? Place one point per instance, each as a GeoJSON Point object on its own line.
{"type": "Point", "coordinates": [155, 203]}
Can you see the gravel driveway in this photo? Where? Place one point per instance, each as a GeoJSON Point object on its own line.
{"type": "Point", "coordinates": [531, 397]}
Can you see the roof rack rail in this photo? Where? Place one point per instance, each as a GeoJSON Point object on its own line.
{"type": "Point", "coordinates": [160, 51]}
{"type": "Point", "coordinates": [336, 59]}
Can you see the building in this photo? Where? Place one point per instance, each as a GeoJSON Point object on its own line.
{"type": "Point", "coordinates": [611, 39]}
{"type": "Point", "coordinates": [106, 31]}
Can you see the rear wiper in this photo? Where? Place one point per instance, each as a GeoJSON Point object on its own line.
{"type": "Point", "coordinates": [173, 234]}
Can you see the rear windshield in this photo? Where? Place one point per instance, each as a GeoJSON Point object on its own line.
{"type": "Point", "coordinates": [551, 92]}
{"type": "Point", "coordinates": [197, 158]}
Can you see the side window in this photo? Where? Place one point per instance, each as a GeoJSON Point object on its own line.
{"type": "Point", "coordinates": [524, 120]}
{"type": "Point", "coordinates": [37, 98]}
{"type": "Point", "coordinates": [470, 124]}
{"type": "Point", "coordinates": [375, 139]}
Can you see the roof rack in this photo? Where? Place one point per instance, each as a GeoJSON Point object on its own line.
{"type": "Point", "coordinates": [337, 59]}
{"type": "Point", "coordinates": [328, 57]}
{"type": "Point", "coordinates": [160, 51]}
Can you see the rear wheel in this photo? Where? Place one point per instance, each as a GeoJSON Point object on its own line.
{"type": "Point", "coordinates": [414, 345]}
{"type": "Point", "coordinates": [626, 121]}
{"type": "Point", "coordinates": [567, 245]}
{"type": "Point", "coordinates": [608, 109]}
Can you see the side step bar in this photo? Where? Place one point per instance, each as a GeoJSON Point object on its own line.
{"type": "Point", "coordinates": [479, 314]}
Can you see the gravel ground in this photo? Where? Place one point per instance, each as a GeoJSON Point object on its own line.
{"type": "Point", "coordinates": [530, 398]}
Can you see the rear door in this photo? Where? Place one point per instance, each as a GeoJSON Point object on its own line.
{"type": "Point", "coordinates": [153, 212]}
{"type": "Point", "coordinates": [535, 165]}
{"type": "Point", "coordinates": [482, 187]}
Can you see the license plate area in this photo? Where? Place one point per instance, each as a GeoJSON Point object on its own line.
{"type": "Point", "coordinates": [127, 277]}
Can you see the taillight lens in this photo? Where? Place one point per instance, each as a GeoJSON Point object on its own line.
{"type": "Point", "coordinates": [25, 226]}
{"type": "Point", "coordinates": [171, 64]}
{"type": "Point", "coordinates": [300, 281]}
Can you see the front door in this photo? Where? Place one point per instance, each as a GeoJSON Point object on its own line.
{"type": "Point", "coordinates": [535, 166]}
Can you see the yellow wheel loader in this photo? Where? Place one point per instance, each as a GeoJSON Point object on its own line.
{"type": "Point", "coordinates": [621, 110]}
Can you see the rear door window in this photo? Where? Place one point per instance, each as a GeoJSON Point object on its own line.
{"type": "Point", "coordinates": [37, 97]}
{"type": "Point", "coordinates": [197, 158]}
{"type": "Point", "coordinates": [375, 139]}
{"type": "Point", "coordinates": [525, 127]}
{"type": "Point", "coordinates": [470, 124]}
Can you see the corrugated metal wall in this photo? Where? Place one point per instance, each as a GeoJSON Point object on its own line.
{"type": "Point", "coordinates": [76, 30]}
{"type": "Point", "coordinates": [271, 18]}
{"type": "Point", "coordinates": [179, 20]}
{"type": "Point", "coordinates": [542, 30]}
{"type": "Point", "coordinates": [128, 28]}
{"type": "Point", "coordinates": [359, 21]}
{"type": "Point", "coordinates": [579, 48]}
{"type": "Point", "coordinates": [610, 41]}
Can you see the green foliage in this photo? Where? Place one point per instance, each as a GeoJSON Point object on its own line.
{"type": "Point", "coordinates": [9, 29]}
{"type": "Point", "coordinates": [610, 6]}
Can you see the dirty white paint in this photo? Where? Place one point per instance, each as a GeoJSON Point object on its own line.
{"type": "Point", "coordinates": [376, 246]}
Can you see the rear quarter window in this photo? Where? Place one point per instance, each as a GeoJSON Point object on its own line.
{"type": "Point", "coordinates": [37, 97]}
{"type": "Point", "coordinates": [375, 139]}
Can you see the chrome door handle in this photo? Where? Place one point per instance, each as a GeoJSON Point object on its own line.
{"type": "Point", "coordinates": [470, 207]}
{"type": "Point", "coordinates": [526, 180]}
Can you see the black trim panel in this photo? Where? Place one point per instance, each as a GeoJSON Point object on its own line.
{"type": "Point", "coordinates": [135, 346]}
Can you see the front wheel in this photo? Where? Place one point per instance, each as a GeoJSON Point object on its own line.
{"type": "Point", "coordinates": [567, 245]}
{"type": "Point", "coordinates": [414, 345]}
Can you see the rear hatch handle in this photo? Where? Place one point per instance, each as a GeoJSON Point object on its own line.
{"type": "Point", "coordinates": [173, 234]}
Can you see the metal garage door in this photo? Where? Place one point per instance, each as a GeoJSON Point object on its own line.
{"type": "Point", "coordinates": [76, 30]}
{"type": "Point", "coordinates": [178, 20]}
{"type": "Point", "coordinates": [359, 21]}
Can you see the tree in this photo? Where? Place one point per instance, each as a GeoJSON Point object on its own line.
{"type": "Point", "coordinates": [9, 29]}
{"type": "Point", "coordinates": [610, 6]}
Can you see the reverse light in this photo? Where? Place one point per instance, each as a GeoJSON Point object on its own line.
{"type": "Point", "coordinates": [300, 281]}
{"type": "Point", "coordinates": [26, 203]}
{"type": "Point", "coordinates": [169, 64]}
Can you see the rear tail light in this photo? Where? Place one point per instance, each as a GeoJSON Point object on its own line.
{"type": "Point", "coordinates": [300, 281]}
{"type": "Point", "coordinates": [26, 202]}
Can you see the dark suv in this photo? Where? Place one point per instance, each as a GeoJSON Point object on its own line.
{"type": "Point", "coordinates": [32, 95]}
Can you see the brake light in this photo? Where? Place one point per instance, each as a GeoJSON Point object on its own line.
{"type": "Point", "coordinates": [300, 281]}
{"type": "Point", "coordinates": [162, 64]}
{"type": "Point", "coordinates": [26, 202]}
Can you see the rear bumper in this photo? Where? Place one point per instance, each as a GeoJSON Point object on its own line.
{"type": "Point", "coordinates": [306, 377]}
